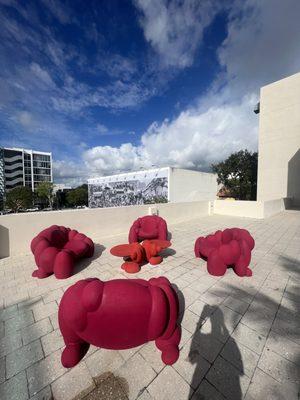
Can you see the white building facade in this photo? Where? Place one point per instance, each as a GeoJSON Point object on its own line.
{"type": "Point", "coordinates": [160, 185]}
{"type": "Point", "coordinates": [23, 167]}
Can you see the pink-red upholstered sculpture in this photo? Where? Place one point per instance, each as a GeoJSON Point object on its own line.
{"type": "Point", "coordinates": [231, 247]}
{"type": "Point", "coordinates": [137, 254]}
{"type": "Point", "coordinates": [148, 227]}
{"type": "Point", "coordinates": [119, 314]}
{"type": "Point", "coordinates": [57, 248]}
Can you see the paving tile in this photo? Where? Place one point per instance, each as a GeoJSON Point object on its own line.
{"type": "Point", "coordinates": [35, 331]}
{"type": "Point", "coordinates": [240, 356]}
{"type": "Point", "coordinates": [169, 385]}
{"type": "Point", "coordinates": [44, 372]}
{"type": "Point", "coordinates": [41, 310]}
{"type": "Point", "coordinates": [230, 381]}
{"type": "Point", "coordinates": [279, 368]}
{"type": "Point", "coordinates": [264, 387]}
{"type": "Point", "coordinates": [44, 394]}
{"type": "Point", "coordinates": [52, 342]}
{"type": "Point", "coordinates": [249, 338]}
{"type": "Point", "coordinates": [76, 382]}
{"type": "Point", "coordinates": [138, 374]}
{"type": "Point", "coordinates": [145, 396]}
{"type": "Point", "coordinates": [201, 309]}
{"type": "Point", "coordinates": [236, 305]}
{"type": "Point", "coordinates": [15, 388]}
{"type": "Point", "coordinates": [23, 357]}
{"type": "Point", "coordinates": [102, 361]}
{"type": "Point", "coordinates": [284, 347]}
{"type": "Point", "coordinates": [9, 312]}
{"type": "Point", "coordinates": [10, 343]}
{"type": "Point", "coordinates": [207, 392]}
{"type": "Point", "coordinates": [24, 318]}
{"type": "Point", "coordinates": [2, 370]}
{"type": "Point", "coordinates": [207, 345]}
{"type": "Point", "coordinates": [287, 325]}
{"type": "Point", "coordinates": [191, 365]}
{"type": "Point", "coordinates": [221, 323]}
{"type": "Point", "coordinates": [153, 356]}
{"type": "Point", "coordinates": [190, 321]}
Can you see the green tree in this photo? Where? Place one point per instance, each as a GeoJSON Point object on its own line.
{"type": "Point", "coordinates": [44, 191]}
{"type": "Point", "coordinates": [238, 174]}
{"type": "Point", "coordinates": [78, 196]}
{"type": "Point", "coordinates": [19, 198]}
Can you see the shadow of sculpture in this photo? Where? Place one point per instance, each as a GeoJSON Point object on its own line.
{"type": "Point", "coordinates": [83, 263]}
{"type": "Point", "coordinates": [202, 344]}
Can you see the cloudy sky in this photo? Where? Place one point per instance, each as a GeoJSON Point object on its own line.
{"type": "Point", "coordinates": [120, 85]}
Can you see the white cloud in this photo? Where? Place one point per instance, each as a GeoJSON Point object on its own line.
{"type": "Point", "coordinates": [69, 172]}
{"type": "Point", "coordinates": [175, 28]}
{"type": "Point", "coordinates": [194, 139]}
{"type": "Point", "coordinates": [262, 46]}
{"type": "Point", "coordinates": [41, 74]}
{"type": "Point", "coordinates": [25, 119]}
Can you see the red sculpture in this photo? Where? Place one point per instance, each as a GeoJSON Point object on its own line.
{"type": "Point", "coordinates": [148, 227]}
{"type": "Point", "coordinates": [57, 248]}
{"type": "Point", "coordinates": [232, 247]}
{"type": "Point", "coordinates": [137, 254]}
{"type": "Point", "coordinates": [119, 314]}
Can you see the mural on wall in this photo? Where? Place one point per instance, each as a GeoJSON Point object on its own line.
{"type": "Point", "coordinates": [146, 187]}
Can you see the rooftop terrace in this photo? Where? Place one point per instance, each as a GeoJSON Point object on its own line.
{"type": "Point", "coordinates": [240, 336]}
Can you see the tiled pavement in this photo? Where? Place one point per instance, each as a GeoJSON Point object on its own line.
{"type": "Point", "coordinates": [240, 336]}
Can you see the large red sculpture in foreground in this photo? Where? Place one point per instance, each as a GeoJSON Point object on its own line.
{"type": "Point", "coordinates": [119, 314]}
{"type": "Point", "coordinates": [231, 247]}
{"type": "Point", "coordinates": [137, 254]}
{"type": "Point", "coordinates": [148, 227]}
{"type": "Point", "coordinates": [57, 248]}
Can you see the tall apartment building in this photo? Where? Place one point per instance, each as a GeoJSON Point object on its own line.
{"type": "Point", "coordinates": [22, 167]}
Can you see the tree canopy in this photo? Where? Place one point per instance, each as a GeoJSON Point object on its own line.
{"type": "Point", "coordinates": [238, 174]}
{"type": "Point", "coordinates": [19, 198]}
{"type": "Point", "coordinates": [44, 190]}
{"type": "Point", "coordinates": [78, 196]}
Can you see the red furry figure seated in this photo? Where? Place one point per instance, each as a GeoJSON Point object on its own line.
{"type": "Point", "coordinates": [136, 254]}
{"type": "Point", "coordinates": [119, 314]}
{"type": "Point", "coordinates": [231, 247]}
{"type": "Point", "coordinates": [57, 248]}
{"type": "Point", "coordinates": [148, 227]}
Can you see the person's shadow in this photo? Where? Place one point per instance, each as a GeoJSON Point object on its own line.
{"type": "Point", "coordinates": [207, 345]}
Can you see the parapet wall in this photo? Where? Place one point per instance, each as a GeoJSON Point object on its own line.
{"type": "Point", "coordinates": [250, 209]}
{"type": "Point", "coordinates": [17, 230]}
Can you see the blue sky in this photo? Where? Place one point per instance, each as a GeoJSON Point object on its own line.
{"type": "Point", "coordinates": [111, 86]}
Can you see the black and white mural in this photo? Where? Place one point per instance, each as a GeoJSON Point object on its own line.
{"type": "Point", "coordinates": [144, 187]}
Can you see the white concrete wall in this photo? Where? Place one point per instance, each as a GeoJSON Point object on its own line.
{"type": "Point", "coordinates": [279, 141]}
{"type": "Point", "coordinates": [249, 209]}
{"type": "Point", "coordinates": [273, 207]}
{"type": "Point", "coordinates": [187, 185]}
{"type": "Point", "coordinates": [239, 208]}
{"type": "Point", "coordinates": [17, 230]}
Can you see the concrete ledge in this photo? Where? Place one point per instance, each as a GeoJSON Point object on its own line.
{"type": "Point", "coordinates": [250, 209]}
{"type": "Point", "coordinates": [17, 230]}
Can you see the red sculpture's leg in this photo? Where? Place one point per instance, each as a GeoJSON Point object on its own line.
{"type": "Point", "coordinates": [155, 260]}
{"type": "Point", "coordinates": [63, 265]}
{"type": "Point", "coordinates": [131, 267]}
{"type": "Point", "coordinates": [242, 270]}
{"type": "Point", "coordinates": [215, 264]}
{"type": "Point", "coordinates": [169, 347]}
{"type": "Point", "coordinates": [75, 349]}
{"type": "Point", "coordinates": [40, 273]}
